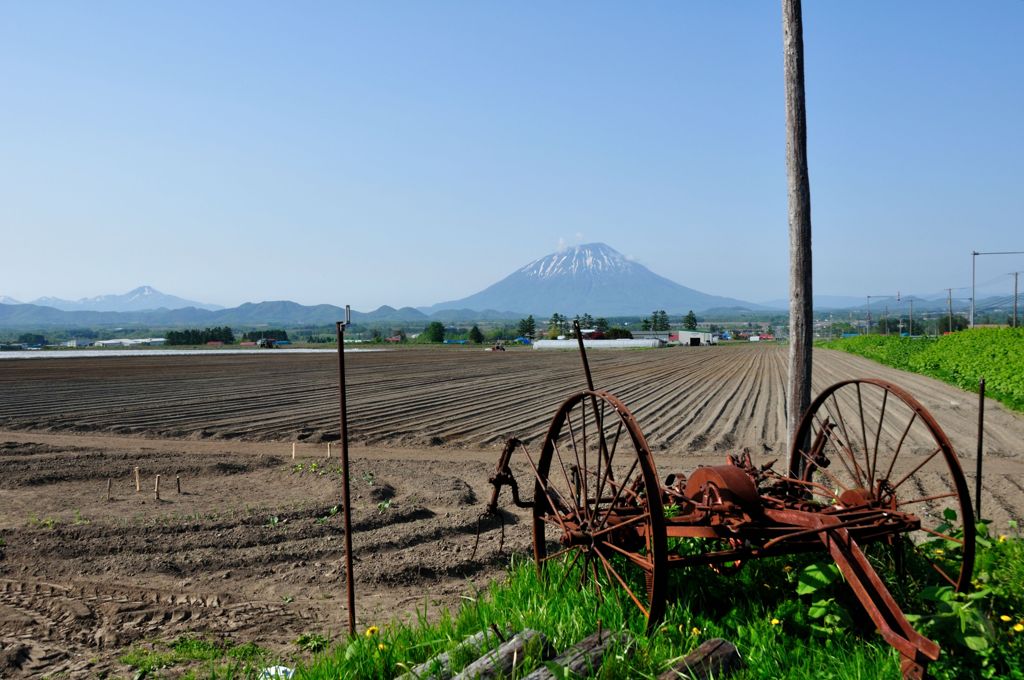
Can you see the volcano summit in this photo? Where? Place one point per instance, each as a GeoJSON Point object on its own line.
{"type": "Point", "coordinates": [591, 278]}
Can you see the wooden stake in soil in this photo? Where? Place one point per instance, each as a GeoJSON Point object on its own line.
{"type": "Point", "coordinates": [156, 488]}
{"type": "Point", "coordinates": [293, 450]}
{"type": "Point", "coordinates": [108, 488]}
{"type": "Point", "coordinates": [328, 450]}
{"type": "Point", "coordinates": [177, 482]}
{"type": "Point", "coordinates": [138, 485]}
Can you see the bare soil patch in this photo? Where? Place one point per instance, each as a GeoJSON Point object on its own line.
{"type": "Point", "coordinates": [251, 550]}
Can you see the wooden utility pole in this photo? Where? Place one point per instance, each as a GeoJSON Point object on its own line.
{"type": "Point", "coordinates": [801, 311]}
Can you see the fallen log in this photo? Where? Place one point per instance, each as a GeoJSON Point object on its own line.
{"type": "Point", "coordinates": [510, 655]}
{"type": "Point", "coordinates": [713, 659]}
{"type": "Point", "coordinates": [440, 667]}
{"type": "Point", "coordinates": [582, 659]}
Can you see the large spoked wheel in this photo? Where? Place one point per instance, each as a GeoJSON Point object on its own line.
{"type": "Point", "coordinates": [869, 442]}
{"type": "Point", "coordinates": [598, 507]}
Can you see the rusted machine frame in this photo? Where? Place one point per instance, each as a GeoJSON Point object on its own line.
{"type": "Point", "coordinates": [755, 511]}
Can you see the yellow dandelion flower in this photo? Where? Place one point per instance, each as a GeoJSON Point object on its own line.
{"type": "Point", "coordinates": [940, 551]}
{"type": "Point", "coordinates": [1002, 538]}
{"type": "Point", "coordinates": [776, 622]}
{"type": "Point", "coordinates": [1005, 618]}
{"type": "Point", "coordinates": [372, 630]}
{"type": "Point", "coordinates": [382, 646]}
{"type": "Point", "coordinates": [1019, 627]}
{"type": "Point", "coordinates": [696, 631]}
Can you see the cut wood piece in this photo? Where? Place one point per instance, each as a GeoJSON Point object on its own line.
{"type": "Point", "coordinates": [715, 658]}
{"type": "Point", "coordinates": [440, 667]}
{"type": "Point", "coordinates": [582, 659]}
{"type": "Point", "coordinates": [502, 661]}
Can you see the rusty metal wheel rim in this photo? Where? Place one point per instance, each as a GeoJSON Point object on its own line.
{"type": "Point", "coordinates": [882, 440]}
{"type": "Point", "coordinates": [596, 433]}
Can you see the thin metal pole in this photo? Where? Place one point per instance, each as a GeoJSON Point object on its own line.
{"type": "Point", "coordinates": [911, 317]}
{"type": "Point", "coordinates": [981, 437]}
{"type": "Point", "coordinates": [869, 315]}
{"type": "Point", "coordinates": [583, 354]}
{"type": "Point", "coordinates": [345, 500]}
{"type": "Point", "coordinates": [974, 258]}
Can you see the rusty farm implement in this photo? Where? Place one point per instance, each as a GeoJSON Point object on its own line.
{"type": "Point", "coordinates": [870, 468]}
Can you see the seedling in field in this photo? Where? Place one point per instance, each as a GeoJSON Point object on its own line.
{"type": "Point", "coordinates": [313, 643]}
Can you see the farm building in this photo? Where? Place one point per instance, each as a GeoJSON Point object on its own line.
{"type": "Point", "coordinates": [598, 344]}
{"type": "Point", "coordinates": [693, 338]}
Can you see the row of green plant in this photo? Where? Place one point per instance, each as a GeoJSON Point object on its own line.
{"type": "Point", "coordinates": [790, 617]}
{"type": "Point", "coordinates": [961, 359]}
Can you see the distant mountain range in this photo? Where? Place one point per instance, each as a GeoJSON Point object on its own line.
{"type": "Point", "coordinates": [137, 300]}
{"type": "Point", "coordinates": [592, 278]}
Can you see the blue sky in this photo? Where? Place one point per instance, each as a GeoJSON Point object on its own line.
{"type": "Point", "coordinates": [406, 153]}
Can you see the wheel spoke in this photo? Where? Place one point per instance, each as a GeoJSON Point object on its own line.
{"type": "Point", "coordinates": [941, 535]}
{"type": "Point", "coordinates": [899, 446]}
{"type": "Point", "coordinates": [635, 559]}
{"type": "Point", "coordinates": [864, 436]}
{"type": "Point", "coordinates": [625, 523]}
{"type": "Point", "coordinates": [623, 583]}
{"type": "Point", "coordinates": [618, 493]}
{"type": "Point", "coordinates": [558, 554]}
{"type": "Point", "coordinates": [878, 436]}
{"type": "Point", "coordinates": [575, 447]}
{"type": "Point", "coordinates": [608, 471]}
{"type": "Point", "coordinates": [914, 471]}
{"type": "Point", "coordinates": [951, 494]}
{"type": "Point", "coordinates": [568, 485]}
{"type": "Point", "coordinates": [568, 569]}
{"type": "Point", "coordinates": [842, 452]}
{"type": "Point", "coordinates": [847, 443]}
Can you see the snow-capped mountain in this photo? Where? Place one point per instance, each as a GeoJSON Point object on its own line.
{"type": "Point", "coordinates": [4, 300]}
{"type": "Point", "coordinates": [592, 278]}
{"type": "Point", "coordinates": [137, 300]}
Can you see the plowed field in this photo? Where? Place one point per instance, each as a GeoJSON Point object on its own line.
{"type": "Point", "coordinates": [250, 550]}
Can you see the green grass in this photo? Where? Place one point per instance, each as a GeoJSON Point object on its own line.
{"type": "Point", "coordinates": [961, 359]}
{"type": "Point", "coordinates": [821, 634]}
{"type": "Point", "coordinates": [197, 657]}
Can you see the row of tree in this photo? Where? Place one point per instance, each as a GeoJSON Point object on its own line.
{"type": "Point", "coordinates": [270, 334]}
{"type": "Point", "coordinates": [195, 336]}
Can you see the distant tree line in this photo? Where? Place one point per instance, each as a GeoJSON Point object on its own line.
{"type": "Point", "coordinates": [194, 336]}
{"type": "Point", "coordinates": [271, 334]}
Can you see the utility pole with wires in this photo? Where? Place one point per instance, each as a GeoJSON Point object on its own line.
{"type": "Point", "coordinates": [949, 305]}
{"type": "Point", "coordinates": [869, 308]}
{"type": "Point", "coordinates": [1015, 277]}
{"type": "Point", "coordinates": [974, 257]}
